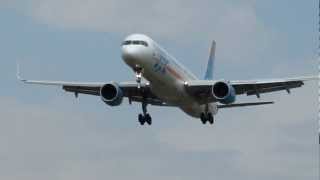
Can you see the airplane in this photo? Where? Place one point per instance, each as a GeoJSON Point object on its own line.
{"type": "Point", "coordinates": [168, 83]}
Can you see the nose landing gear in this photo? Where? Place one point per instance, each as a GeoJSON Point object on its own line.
{"type": "Point", "coordinates": [138, 71]}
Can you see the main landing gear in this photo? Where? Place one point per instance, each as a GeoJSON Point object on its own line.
{"type": "Point", "coordinates": [145, 117]}
{"type": "Point", "coordinates": [207, 117]}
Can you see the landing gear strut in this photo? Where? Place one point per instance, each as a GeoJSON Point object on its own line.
{"type": "Point", "coordinates": [145, 117]}
{"type": "Point", "coordinates": [138, 71]}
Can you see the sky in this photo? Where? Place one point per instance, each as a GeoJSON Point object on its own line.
{"type": "Point", "coordinates": [46, 133]}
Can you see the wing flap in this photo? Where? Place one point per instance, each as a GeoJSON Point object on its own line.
{"type": "Point", "coordinates": [244, 104]}
{"type": "Point", "coordinates": [83, 90]}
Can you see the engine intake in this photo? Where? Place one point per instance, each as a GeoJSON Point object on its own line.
{"type": "Point", "coordinates": [111, 94]}
{"type": "Point", "coordinates": [224, 92]}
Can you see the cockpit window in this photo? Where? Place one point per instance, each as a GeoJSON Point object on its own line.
{"type": "Point", "coordinates": [144, 43]}
{"type": "Point", "coordinates": [135, 43]}
{"type": "Point", "coordinates": [126, 43]}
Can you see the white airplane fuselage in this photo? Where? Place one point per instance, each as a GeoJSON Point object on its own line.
{"type": "Point", "coordinates": [167, 77]}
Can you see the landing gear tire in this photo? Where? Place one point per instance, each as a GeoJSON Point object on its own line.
{"type": "Point", "coordinates": [203, 118]}
{"type": "Point", "coordinates": [210, 118]}
{"type": "Point", "coordinates": [145, 117]}
{"type": "Point", "coordinates": [148, 119]}
{"type": "Point", "coordinates": [141, 119]}
{"type": "Point", "coordinates": [207, 118]}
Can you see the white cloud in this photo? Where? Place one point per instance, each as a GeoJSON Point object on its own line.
{"type": "Point", "coordinates": [40, 142]}
{"type": "Point", "coordinates": [267, 138]}
{"type": "Point", "coordinates": [234, 25]}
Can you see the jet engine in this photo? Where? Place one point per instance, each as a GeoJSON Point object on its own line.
{"type": "Point", "coordinates": [224, 92]}
{"type": "Point", "coordinates": [111, 94]}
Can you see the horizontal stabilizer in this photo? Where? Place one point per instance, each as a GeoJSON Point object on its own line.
{"type": "Point", "coordinates": [244, 104]}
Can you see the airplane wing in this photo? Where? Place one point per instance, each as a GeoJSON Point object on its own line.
{"type": "Point", "coordinates": [257, 87]}
{"type": "Point", "coordinates": [130, 89]}
{"type": "Point", "coordinates": [202, 88]}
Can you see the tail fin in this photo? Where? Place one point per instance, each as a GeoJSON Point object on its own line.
{"type": "Point", "coordinates": [210, 66]}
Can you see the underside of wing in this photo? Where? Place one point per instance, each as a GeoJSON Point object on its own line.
{"type": "Point", "coordinates": [130, 90]}
{"type": "Point", "coordinates": [203, 88]}
{"type": "Point", "coordinates": [257, 87]}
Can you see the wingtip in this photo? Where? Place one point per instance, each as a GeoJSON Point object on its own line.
{"type": "Point", "coordinates": [312, 78]}
{"type": "Point", "coordinates": [18, 73]}
{"type": "Point", "coordinates": [213, 44]}
{"type": "Point", "coordinates": [309, 78]}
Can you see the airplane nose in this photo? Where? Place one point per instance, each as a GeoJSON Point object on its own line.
{"type": "Point", "coordinates": [134, 55]}
{"type": "Point", "coordinates": [130, 53]}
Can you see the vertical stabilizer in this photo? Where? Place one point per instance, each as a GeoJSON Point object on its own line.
{"type": "Point", "coordinates": [210, 66]}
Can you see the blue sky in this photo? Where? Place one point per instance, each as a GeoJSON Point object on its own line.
{"type": "Point", "coordinates": [46, 133]}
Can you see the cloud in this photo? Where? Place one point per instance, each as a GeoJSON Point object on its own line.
{"type": "Point", "coordinates": [39, 142]}
{"type": "Point", "coordinates": [65, 141]}
{"type": "Point", "coordinates": [60, 140]}
{"type": "Point", "coordinates": [234, 25]}
{"type": "Point", "coordinates": [52, 142]}
{"type": "Point", "coordinates": [266, 139]}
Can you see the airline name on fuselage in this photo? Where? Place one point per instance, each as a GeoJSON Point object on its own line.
{"type": "Point", "coordinates": [160, 64]}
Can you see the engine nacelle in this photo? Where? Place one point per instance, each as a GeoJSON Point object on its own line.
{"type": "Point", "coordinates": [111, 94]}
{"type": "Point", "coordinates": [224, 92]}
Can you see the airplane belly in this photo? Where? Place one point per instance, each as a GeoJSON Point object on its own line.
{"type": "Point", "coordinates": [168, 90]}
